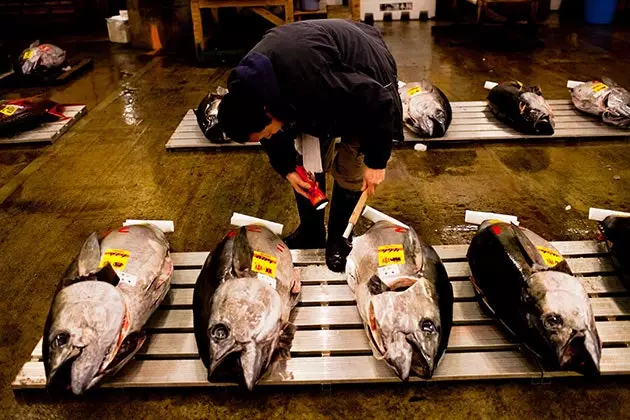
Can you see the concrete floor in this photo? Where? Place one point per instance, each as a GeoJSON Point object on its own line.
{"type": "Point", "coordinates": [112, 165]}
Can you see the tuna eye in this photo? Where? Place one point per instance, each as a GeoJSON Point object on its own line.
{"type": "Point", "coordinates": [60, 340]}
{"type": "Point", "coordinates": [219, 332]}
{"type": "Point", "coordinates": [427, 326]}
{"type": "Point", "coordinates": [552, 321]}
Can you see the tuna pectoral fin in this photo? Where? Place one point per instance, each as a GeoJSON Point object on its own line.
{"type": "Point", "coordinates": [108, 275]}
{"type": "Point", "coordinates": [252, 364]}
{"type": "Point", "coordinates": [89, 256]}
{"type": "Point", "coordinates": [529, 249]}
{"type": "Point", "coordinates": [242, 253]}
{"type": "Point", "coordinates": [286, 340]}
{"type": "Point", "coordinates": [376, 285]}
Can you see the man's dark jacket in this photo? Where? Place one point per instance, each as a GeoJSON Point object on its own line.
{"type": "Point", "coordinates": [328, 78]}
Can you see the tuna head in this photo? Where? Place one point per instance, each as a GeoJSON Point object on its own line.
{"type": "Point", "coordinates": [404, 326]}
{"type": "Point", "coordinates": [535, 110]}
{"type": "Point", "coordinates": [246, 318]}
{"type": "Point", "coordinates": [427, 116]}
{"type": "Point", "coordinates": [82, 334]}
{"type": "Point", "coordinates": [560, 310]}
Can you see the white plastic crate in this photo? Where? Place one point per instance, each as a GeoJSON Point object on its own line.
{"type": "Point", "coordinates": [397, 9]}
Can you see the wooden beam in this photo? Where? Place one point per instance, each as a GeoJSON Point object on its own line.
{"type": "Point", "coordinates": [288, 11]}
{"type": "Point", "coordinates": [261, 11]}
{"type": "Point", "coordinates": [209, 4]}
{"type": "Point", "coordinates": [195, 11]}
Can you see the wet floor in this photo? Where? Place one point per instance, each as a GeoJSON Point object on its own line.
{"type": "Point", "coordinates": [112, 166]}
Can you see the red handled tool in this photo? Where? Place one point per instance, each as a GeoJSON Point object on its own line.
{"type": "Point", "coordinates": [317, 197]}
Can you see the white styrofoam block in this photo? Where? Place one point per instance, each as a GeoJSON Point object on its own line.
{"type": "Point", "coordinates": [489, 85]}
{"type": "Point", "coordinates": [478, 217]}
{"type": "Point", "coordinates": [374, 216]}
{"type": "Point", "coordinates": [239, 219]}
{"type": "Point", "coordinates": [379, 7]}
{"type": "Point", "coordinates": [600, 214]}
{"type": "Point", "coordinates": [166, 226]}
{"type": "Point", "coordinates": [573, 83]}
{"type": "Point", "coordinates": [401, 84]}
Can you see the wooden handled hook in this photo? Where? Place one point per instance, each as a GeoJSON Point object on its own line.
{"type": "Point", "coordinates": [354, 218]}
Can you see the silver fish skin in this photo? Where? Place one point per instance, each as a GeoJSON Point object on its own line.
{"type": "Point", "coordinates": [241, 312]}
{"type": "Point", "coordinates": [426, 110]}
{"type": "Point", "coordinates": [526, 283]}
{"type": "Point", "coordinates": [604, 98]}
{"type": "Point", "coordinates": [95, 323]}
{"type": "Point", "coordinates": [406, 308]}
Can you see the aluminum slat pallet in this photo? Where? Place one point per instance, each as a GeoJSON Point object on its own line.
{"type": "Point", "coordinates": [330, 345]}
{"type": "Point", "coordinates": [472, 121]}
{"type": "Point", "coordinates": [48, 132]}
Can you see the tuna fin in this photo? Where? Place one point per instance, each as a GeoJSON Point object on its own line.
{"type": "Point", "coordinates": [534, 89]}
{"type": "Point", "coordinates": [89, 256]}
{"type": "Point", "coordinates": [286, 340]}
{"type": "Point", "coordinates": [376, 285]}
{"type": "Point", "coordinates": [242, 253]}
{"type": "Point", "coordinates": [296, 286]}
{"type": "Point", "coordinates": [608, 81]}
{"type": "Point", "coordinates": [529, 250]}
{"type": "Point", "coordinates": [108, 275]}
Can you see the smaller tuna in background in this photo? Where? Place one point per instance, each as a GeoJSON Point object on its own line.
{"type": "Point", "coordinates": [604, 98]}
{"type": "Point", "coordinates": [426, 110]}
{"type": "Point", "coordinates": [522, 107]}
{"type": "Point", "coordinates": [207, 116]}
{"type": "Point", "coordinates": [40, 58]}
{"type": "Point", "coordinates": [18, 115]}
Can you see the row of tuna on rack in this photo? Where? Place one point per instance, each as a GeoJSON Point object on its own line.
{"type": "Point", "coordinates": [427, 111]}
{"type": "Point", "coordinates": [248, 287]}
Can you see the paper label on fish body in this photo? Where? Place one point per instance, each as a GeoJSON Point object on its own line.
{"type": "Point", "coordinates": [269, 280]}
{"type": "Point", "coordinates": [27, 54]}
{"type": "Point", "coordinates": [126, 278]}
{"type": "Point", "coordinates": [391, 255]}
{"type": "Point", "coordinates": [414, 91]}
{"type": "Point", "coordinates": [9, 110]}
{"type": "Point", "coordinates": [551, 257]}
{"type": "Point", "coordinates": [117, 258]}
{"type": "Point", "coordinates": [264, 264]}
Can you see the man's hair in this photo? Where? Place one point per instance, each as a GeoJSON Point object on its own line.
{"type": "Point", "coordinates": [240, 116]}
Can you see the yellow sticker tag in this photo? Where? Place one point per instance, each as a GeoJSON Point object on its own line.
{"type": "Point", "coordinates": [520, 85]}
{"type": "Point", "coordinates": [391, 255]}
{"type": "Point", "coordinates": [598, 87]}
{"type": "Point", "coordinates": [117, 258]}
{"type": "Point", "coordinates": [551, 257]}
{"type": "Point", "coordinates": [27, 54]}
{"type": "Point", "coordinates": [414, 91]}
{"type": "Point", "coordinates": [9, 110]}
{"type": "Point", "coordinates": [264, 264]}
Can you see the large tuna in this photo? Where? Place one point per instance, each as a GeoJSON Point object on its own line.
{"type": "Point", "coordinates": [404, 298]}
{"type": "Point", "coordinates": [95, 324]}
{"type": "Point", "coordinates": [616, 229]}
{"type": "Point", "coordinates": [426, 110]}
{"type": "Point", "coordinates": [18, 115]}
{"type": "Point", "coordinates": [525, 282]}
{"type": "Point", "coordinates": [242, 302]}
{"type": "Point", "coordinates": [522, 107]}
{"type": "Point", "coordinates": [207, 116]}
{"type": "Point", "coordinates": [40, 58]}
{"type": "Point", "coordinates": [604, 98]}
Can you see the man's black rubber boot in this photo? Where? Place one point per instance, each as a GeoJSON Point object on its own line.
{"type": "Point", "coordinates": [337, 247]}
{"type": "Point", "coordinates": [311, 233]}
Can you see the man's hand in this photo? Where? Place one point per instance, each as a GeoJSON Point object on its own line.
{"type": "Point", "coordinates": [371, 178]}
{"type": "Point", "coordinates": [298, 184]}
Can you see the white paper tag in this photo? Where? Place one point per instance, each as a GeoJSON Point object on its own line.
{"type": "Point", "coordinates": [127, 278]}
{"type": "Point", "coordinates": [388, 271]}
{"type": "Point", "coordinates": [269, 280]}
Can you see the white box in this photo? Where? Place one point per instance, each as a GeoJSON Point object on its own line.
{"type": "Point", "coordinates": [396, 7]}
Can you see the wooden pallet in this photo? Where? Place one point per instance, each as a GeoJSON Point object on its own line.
{"type": "Point", "coordinates": [330, 345]}
{"type": "Point", "coordinates": [472, 122]}
{"type": "Point", "coordinates": [53, 78]}
{"type": "Point", "coordinates": [48, 132]}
